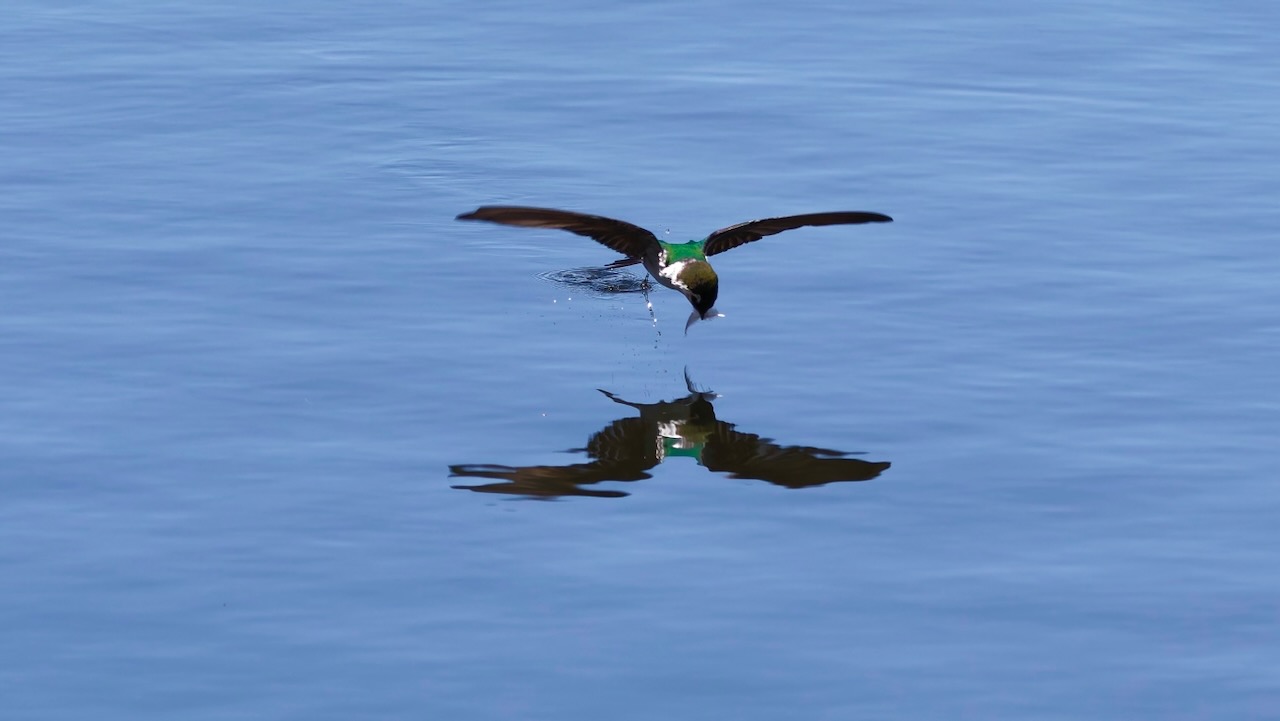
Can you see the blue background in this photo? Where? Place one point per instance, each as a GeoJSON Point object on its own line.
{"type": "Point", "coordinates": [243, 340]}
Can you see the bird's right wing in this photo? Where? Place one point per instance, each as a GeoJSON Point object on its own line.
{"type": "Point", "coordinates": [630, 240]}
{"type": "Point", "coordinates": [753, 230]}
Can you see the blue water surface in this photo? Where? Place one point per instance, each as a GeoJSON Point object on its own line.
{"type": "Point", "coordinates": [252, 365]}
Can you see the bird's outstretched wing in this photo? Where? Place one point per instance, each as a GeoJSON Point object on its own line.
{"type": "Point", "coordinates": [735, 235]}
{"type": "Point", "coordinates": [630, 240]}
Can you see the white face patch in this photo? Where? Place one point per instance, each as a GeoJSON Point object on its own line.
{"type": "Point", "coordinates": [672, 274]}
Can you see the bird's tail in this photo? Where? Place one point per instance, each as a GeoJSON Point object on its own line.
{"type": "Point", "coordinates": [624, 263]}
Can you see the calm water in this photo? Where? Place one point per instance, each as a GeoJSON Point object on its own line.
{"type": "Point", "coordinates": [1010, 457]}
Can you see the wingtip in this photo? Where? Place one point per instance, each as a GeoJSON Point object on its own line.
{"type": "Point", "coordinates": [466, 216]}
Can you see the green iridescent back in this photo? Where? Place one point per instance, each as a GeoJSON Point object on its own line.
{"type": "Point", "coordinates": [677, 252]}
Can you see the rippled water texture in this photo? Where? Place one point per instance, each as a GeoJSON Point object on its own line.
{"type": "Point", "coordinates": [282, 439]}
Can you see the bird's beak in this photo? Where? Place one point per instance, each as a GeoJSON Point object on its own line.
{"type": "Point", "coordinates": [694, 317]}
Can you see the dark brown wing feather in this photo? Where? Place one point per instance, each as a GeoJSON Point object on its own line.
{"type": "Point", "coordinates": [625, 262]}
{"type": "Point", "coordinates": [630, 240]}
{"type": "Point", "coordinates": [735, 235]}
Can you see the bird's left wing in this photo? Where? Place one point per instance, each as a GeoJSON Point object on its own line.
{"type": "Point", "coordinates": [630, 240]}
{"type": "Point", "coordinates": [735, 235]}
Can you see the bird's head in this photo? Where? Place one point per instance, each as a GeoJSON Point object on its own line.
{"type": "Point", "coordinates": [700, 286]}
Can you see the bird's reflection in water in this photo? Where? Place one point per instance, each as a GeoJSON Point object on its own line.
{"type": "Point", "coordinates": [626, 449]}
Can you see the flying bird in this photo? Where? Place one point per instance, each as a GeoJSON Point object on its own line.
{"type": "Point", "coordinates": [680, 266]}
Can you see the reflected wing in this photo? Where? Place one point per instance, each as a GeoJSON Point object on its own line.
{"type": "Point", "coordinates": [624, 450]}
{"type": "Point", "coordinates": [630, 240]}
{"type": "Point", "coordinates": [735, 235]}
{"type": "Point", "coordinates": [540, 481]}
{"type": "Point", "coordinates": [746, 455]}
